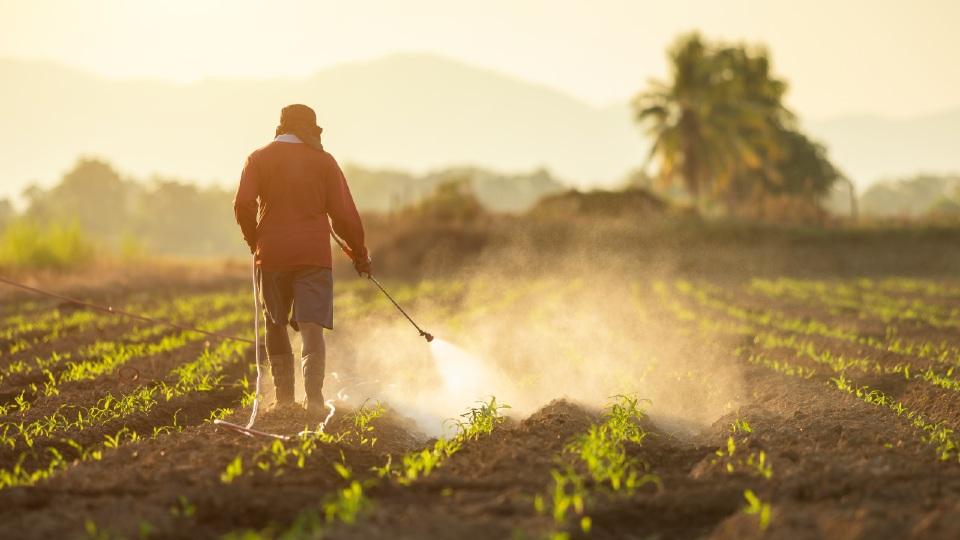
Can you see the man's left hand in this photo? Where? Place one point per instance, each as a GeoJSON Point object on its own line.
{"type": "Point", "coordinates": [363, 266]}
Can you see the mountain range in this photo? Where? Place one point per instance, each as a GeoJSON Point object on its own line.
{"type": "Point", "coordinates": [411, 111]}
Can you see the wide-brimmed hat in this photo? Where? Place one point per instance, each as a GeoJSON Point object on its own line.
{"type": "Point", "coordinates": [299, 115]}
{"type": "Point", "coordinates": [301, 121]}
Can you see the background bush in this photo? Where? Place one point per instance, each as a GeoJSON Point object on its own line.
{"type": "Point", "coordinates": [29, 245]}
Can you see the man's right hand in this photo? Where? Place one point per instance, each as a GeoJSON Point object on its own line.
{"type": "Point", "coordinates": [363, 266]}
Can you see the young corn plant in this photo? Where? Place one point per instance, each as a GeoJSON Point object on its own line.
{"type": "Point", "coordinates": [753, 462]}
{"type": "Point", "coordinates": [183, 508]}
{"type": "Point", "coordinates": [476, 422]}
{"type": "Point", "coordinates": [234, 469]}
{"type": "Point", "coordinates": [362, 419]}
{"type": "Point", "coordinates": [759, 508]}
{"type": "Point", "coordinates": [349, 502]}
{"type": "Point", "coordinates": [601, 454]}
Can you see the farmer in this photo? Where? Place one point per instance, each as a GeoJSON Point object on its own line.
{"type": "Point", "coordinates": [288, 188]}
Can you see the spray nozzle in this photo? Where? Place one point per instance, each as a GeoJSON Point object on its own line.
{"type": "Point", "coordinates": [427, 336]}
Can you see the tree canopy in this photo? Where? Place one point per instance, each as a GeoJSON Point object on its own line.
{"type": "Point", "coordinates": [912, 197]}
{"type": "Point", "coordinates": [171, 216]}
{"type": "Point", "coordinates": [719, 126]}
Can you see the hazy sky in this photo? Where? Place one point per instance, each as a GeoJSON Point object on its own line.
{"type": "Point", "coordinates": [892, 57]}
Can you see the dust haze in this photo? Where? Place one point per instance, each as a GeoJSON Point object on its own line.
{"type": "Point", "coordinates": [579, 329]}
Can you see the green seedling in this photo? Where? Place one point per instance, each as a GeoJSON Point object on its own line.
{"type": "Point", "coordinates": [183, 508]}
{"type": "Point", "coordinates": [233, 470]}
{"type": "Point", "coordinates": [758, 508]}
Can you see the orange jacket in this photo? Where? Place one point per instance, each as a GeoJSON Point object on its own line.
{"type": "Point", "coordinates": [298, 187]}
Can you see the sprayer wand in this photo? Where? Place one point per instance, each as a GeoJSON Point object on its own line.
{"type": "Point", "coordinates": [426, 335]}
{"type": "Point", "coordinates": [423, 333]}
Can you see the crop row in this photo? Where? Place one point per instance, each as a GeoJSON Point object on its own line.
{"type": "Point", "coordinates": [191, 311]}
{"type": "Point", "coordinates": [20, 475]}
{"type": "Point", "coordinates": [203, 374]}
{"type": "Point", "coordinates": [840, 363]}
{"type": "Point", "coordinates": [358, 299]}
{"type": "Point", "coordinates": [104, 357]}
{"type": "Point", "coordinates": [935, 433]}
{"type": "Point", "coordinates": [198, 375]}
{"type": "Point", "coordinates": [594, 462]}
{"type": "Point", "coordinates": [348, 504]}
{"type": "Point", "coordinates": [903, 285]}
{"type": "Point", "coordinates": [52, 326]}
{"type": "Point", "coordinates": [867, 303]}
{"type": "Point", "coordinates": [54, 318]}
{"type": "Point", "coordinates": [938, 353]}
{"type": "Point", "coordinates": [20, 308]}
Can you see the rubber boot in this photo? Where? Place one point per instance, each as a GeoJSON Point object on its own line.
{"type": "Point", "coordinates": [313, 363]}
{"type": "Point", "coordinates": [281, 366]}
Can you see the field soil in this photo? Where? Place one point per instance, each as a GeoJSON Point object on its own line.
{"type": "Point", "coordinates": [823, 426]}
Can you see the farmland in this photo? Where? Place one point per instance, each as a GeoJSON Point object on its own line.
{"type": "Point", "coordinates": [623, 407]}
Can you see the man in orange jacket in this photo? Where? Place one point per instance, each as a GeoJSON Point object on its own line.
{"type": "Point", "coordinates": [290, 191]}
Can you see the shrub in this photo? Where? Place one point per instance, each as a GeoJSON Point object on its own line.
{"type": "Point", "coordinates": [452, 201]}
{"type": "Point", "coordinates": [28, 245]}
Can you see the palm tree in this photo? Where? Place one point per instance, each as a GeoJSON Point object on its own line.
{"type": "Point", "coordinates": [678, 117]}
{"type": "Point", "coordinates": [714, 124]}
{"type": "Point", "coordinates": [763, 129]}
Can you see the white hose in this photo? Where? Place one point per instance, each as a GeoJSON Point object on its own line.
{"type": "Point", "coordinates": [256, 344]}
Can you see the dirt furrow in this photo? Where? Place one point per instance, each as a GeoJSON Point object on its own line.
{"type": "Point", "coordinates": [141, 482]}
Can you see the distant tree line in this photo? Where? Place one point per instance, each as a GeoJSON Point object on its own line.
{"type": "Point", "coordinates": [169, 216]}
{"type": "Point", "coordinates": [720, 128]}
{"type": "Point", "coordinates": [160, 216]}
{"type": "Point", "coordinates": [387, 190]}
{"type": "Point", "coordinates": [925, 196]}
